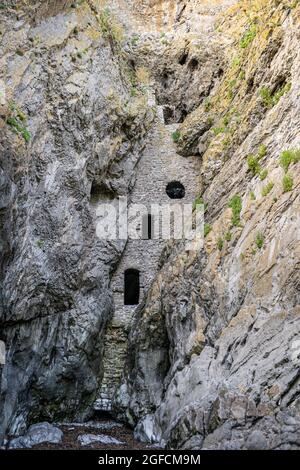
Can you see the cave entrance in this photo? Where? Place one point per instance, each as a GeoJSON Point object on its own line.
{"type": "Point", "coordinates": [131, 287]}
{"type": "Point", "coordinates": [175, 190]}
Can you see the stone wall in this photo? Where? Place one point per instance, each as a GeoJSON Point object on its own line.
{"type": "Point", "coordinates": [159, 164]}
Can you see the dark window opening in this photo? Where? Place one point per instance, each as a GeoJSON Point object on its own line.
{"type": "Point", "coordinates": [148, 227]}
{"type": "Point", "coordinates": [99, 192]}
{"type": "Point", "coordinates": [132, 64]}
{"type": "Point", "coordinates": [175, 190]}
{"type": "Point", "coordinates": [131, 287]}
{"type": "Point", "coordinates": [183, 59]}
{"type": "Point", "coordinates": [169, 114]}
{"type": "Point", "coordinates": [193, 64]}
{"type": "Point", "coordinates": [184, 114]}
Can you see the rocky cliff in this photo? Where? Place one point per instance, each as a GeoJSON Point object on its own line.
{"type": "Point", "coordinates": [212, 359]}
{"type": "Point", "coordinates": [71, 134]}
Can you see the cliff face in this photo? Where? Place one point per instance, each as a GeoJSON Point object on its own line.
{"type": "Point", "coordinates": [212, 358]}
{"type": "Point", "coordinates": [71, 134]}
{"type": "Point", "coordinates": [228, 317]}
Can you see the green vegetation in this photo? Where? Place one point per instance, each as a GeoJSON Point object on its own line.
{"type": "Point", "coordinates": [40, 243]}
{"type": "Point", "coordinates": [262, 151]}
{"type": "Point", "coordinates": [226, 142]}
{"type": "Point", "coordinates": [235, 205]}
{"type": "Point", "coordinates": [17, 121]}
{"type": "Point", "coordinates": [133, 91]}
{"type": "Point", "coordinates": [242, 75]}
{"type": "Point", "coordinates": [271, 99]}
{"type": "Point", "coordinates": [197, 202]}
{"type": "Point", "coordinates": [226, 121]}
{"type": "Point", "coordinates": [207, 229]}
{"type": "Point", "coordinates": [288, 157]}
{"type": "Point", "coordinates": [207, 104]}
{"type": "Point", "coordinates": [109, 27]}
{"type": "Point", "coordinates": [252, 196]}
{"type": "Point", "coordinates": [228, 236]}
{"type": "Point", "coordinates": [176, 136]}
{"type": "Point", "coordinates": [236, 62]}
{"type": "Point", "coordinates": [263, 174]}
{"type": "Point", "coordinates": [248, 37]}
{"type": "Point", "coordinates": [259, 240]}
{"type": "Point", "coordinates": [253, 162]}
{"type": "Point", "coordinates": [253, 165]}
{"type": "Point", "coordinates": [267, 189]}
{"type": "Point", "coordinates": [287, 183]}
{"type": "Point", "coordinates": [220, 243]}
{"type": "Point", "coordinates": [134, 40]}
{"type": "Point", "coordinates": [219, 130]}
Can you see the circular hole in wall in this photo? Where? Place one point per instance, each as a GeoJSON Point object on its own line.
{"type": "Point", "coordinates": [175, 190]}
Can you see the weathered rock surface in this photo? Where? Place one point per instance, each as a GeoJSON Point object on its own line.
{"type": "Point", "coordinates": [87, 439]}
{"type": "Point", "coordinates": [37, 434]}
{"type": "Point", "coordinates": [228, 317]}
{"type": "Point", "coordinates": [213, 359]}
{"type": "Point", "coordinates": [71, 135]}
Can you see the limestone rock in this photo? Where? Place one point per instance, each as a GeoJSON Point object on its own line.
{"type": "Point", "coordinates": [37, 434]}
{"type": "Point", "coordinates": [87, 439]}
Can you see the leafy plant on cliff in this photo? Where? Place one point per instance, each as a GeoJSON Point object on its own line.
{"type": "Point", "coordinates": [259, 240]}
{"type": "Point", "coordinates": [197, 202]}
{"type": "Point", "coordinates": [207, 229]}
{"type": "Point", "coordinates": [253, 165]}
{"type": "Point", "coordinates": [220, 243]}
{"type": "Point", "coordinates": [228, 236]}
{"type": "Point", "coordinates": [109, 27]}
{"type": "Point", "coordinates": [263, 174]}
{"type": "Point", "coordinates": [271, 99]}
{"type": "Point", "coordinates": [287, 183]}
{"type": "Point", "coordinates": [262, 151]}
{"type": "Point", "coordinates": [248, 37]}
{"type": "Point", "coordinates": [235, 205]}
{"type": "Point", "coordinates": [176, 136]}
{"type": "Point", "coordinates": [17, 121]}
{"type": "Point", "coordinates": [267, 189]}
{"type": "Point", "coordinates": [288, 157]}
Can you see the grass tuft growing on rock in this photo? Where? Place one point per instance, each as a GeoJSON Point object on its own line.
{"type": "Point", "coordinates": [176, 136]}
{"type": "Point", "coordinates": [263, 174]}
{"type": "Point", "coordinates": [109, 27]}
{"type": "Point", "coordinates": [228, 236]}
{"type": "Point", "coordinates": [235, 205]}
{"type": "Point", "coordinates": [248, 37]}
{"type": "Point", "coordinates": [17, 121]}
{"type": "Point", "coordinates": [207, 229]}
{"type": "Point", "coordinates": [287, 183]}
{"type": "Point", "coordinates": [267, 189]}
{"type": "Point", "coordinates": [253, 165]}
{"type": "Point", "coordinates": [220, 243]}
{"type": "Point", "coordinates": [288, 157]}
{"type": "Point", "coordinates": [271, 99]}
{"type": "Point", "coordinates": [262, 151]}
{"type": "Point", "coordinates": [259, 240]}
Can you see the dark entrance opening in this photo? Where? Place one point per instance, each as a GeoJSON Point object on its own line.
{"type": "Point", "coordinates": [148, 228]}
{"type": "Point", "coordinates": [131, 287]}
{"type": "Point", "coordinates": [175, 190]}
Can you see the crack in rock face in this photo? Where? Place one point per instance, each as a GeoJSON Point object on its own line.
{"type": "Point", "coordinates": [151, 100]}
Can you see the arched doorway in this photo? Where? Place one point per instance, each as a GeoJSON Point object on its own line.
{"type": "Point", "coordinates": [131, 287]}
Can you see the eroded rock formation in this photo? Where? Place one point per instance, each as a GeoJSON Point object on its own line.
{"type": "Point", "coordinates": [212, 359]}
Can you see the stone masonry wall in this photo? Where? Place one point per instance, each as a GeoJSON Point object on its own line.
{"type": "Point", "coordinates": [159, 165]}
